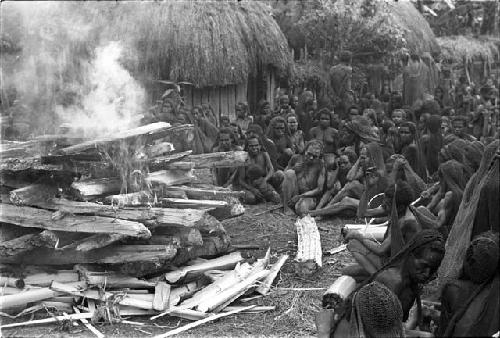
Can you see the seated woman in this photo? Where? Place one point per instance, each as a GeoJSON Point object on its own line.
{"type": "Point", "coordinates": [446, 201]}
{"type": "Point", "coordinates": [368, 253]}
{"type": "Point", "coordinates": [325, 133]}
{"type": "Point", "coordinates": [369, 166]}
{"type": "Point", "coordinates": [470, 305]}
{"type": "Point", "coordinates": [225, 142]}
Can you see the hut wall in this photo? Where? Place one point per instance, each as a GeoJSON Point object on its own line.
{"type": "Point", "coordinates": [221, 99]}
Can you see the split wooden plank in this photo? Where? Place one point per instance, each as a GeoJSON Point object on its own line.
{"type": "Point", "coordinates": [139, 198]}
{"type": "Point", "coordinates": [150, 130]}
{"type": "Point", "coordinates": [309, 254]}
{"type": "Point", "coordinates": [111, 279]}
{"type": "Point", "coordinates": [154, 254]}
{"type": "Point", "coordinates": [44, 279]}
{"type": "Point", "coordinates": [55, 319]}
{"type": "Point", "coordinates": [89, 326]}
{"type": "Point", "coordinates": [159, 149]}
{"type": "Point", "coordinates": [221, 263]}
{"type": "Point", "coordinates": [26, 243]}
{"type": "Point", "coordinates": [95, 241]}
{"type": "Point", "coordinates": [171, 177]}
{"type": "Point", "coordinates": [39, 218]}
{"type": "Point", "coordinates": [161, 297]}
{"type": "Point", "coordinates": [193, 204]}
{"type": "Point", "coordinates": [30, 163]}
{"type": "Point", "coordinates": [264, 288]}
{"type": "Point", "coordinates": [88, 189]}
{"type": "Point", "coordinates": [230, 159]}
{"type": "Point", "coordinates": [338, 292]}
{"type": "Point", "coordinates": [11, 282]}
{"type": "Point", "coordinates": [203, 321]}
{"type": "Point", "coordinates": [169, 158]}
{"type": "Point", "coordinates": [32, 296]}
{"type": "Point", "coordinates": [207, 194]}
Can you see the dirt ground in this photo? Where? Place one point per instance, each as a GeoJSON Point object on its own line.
{"type": "Point", "coordinates": [295, 309]}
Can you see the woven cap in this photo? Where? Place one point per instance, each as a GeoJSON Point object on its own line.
{"type": "Point", "coordinates": [380, 310]}
{"type": "Point", "coordinates": [481, 259]}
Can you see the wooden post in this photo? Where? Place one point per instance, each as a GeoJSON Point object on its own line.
{"type": "Point", "coordinates": [162, 296]}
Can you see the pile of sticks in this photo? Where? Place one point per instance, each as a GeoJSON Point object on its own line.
{"type": "Point", "coordinates": [121, 213]}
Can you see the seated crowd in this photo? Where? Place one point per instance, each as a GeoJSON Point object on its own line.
{"type": "Point", "coordinates": [407, 166]}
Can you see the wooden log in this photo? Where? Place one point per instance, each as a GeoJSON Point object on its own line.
{"type": "Point", "coordinates": [39, 218]}
{"type": "Point", "coordinates": [55, 319]}
{"type": "Point", "coordinates": [94, 294]}
{"type": "Point", "coordinates": [89, 326]}
{"type": "Point", "coordinates": [170, 177]}
{"type": "Point", "coordinates": [150, 131]}
{"type": "Point", "coordinates": [376, 232]}
{"type": "Point", "coordinates": [230, 159]}
{"type": "Point", "coordinates": [154, 254]}
{"type": "Point", "coordinates": [26, 243]}
{"type": "Point", "coordinates": [139, 198]}
{"type": "Point", "coordinates": [14, 181]}
{"type": "Point", "coordinates": [29, 163]}
{"type": "Point", "coordinates": [162, 216]}
{"type": "Point", "coordinates": [33, 193]}
{"type": "Point", "coordinates": [192, 204]}
{"type": "Point", "coordinates": [9, 290]}
{"type": "Point", "coordinates": [161, 161]}
{"type": "Point", "coordinates": [161, 297]}
{"type": "Point", "coordinates": [309, 254]}
{"type": "Point", "coordinates": [232, 277]}
{"type": "Point", "coordinates": [337, 293]}
{"type": "Point", "coordinates": [94, 242]}
{"type": "Point", "coordinates": [12, 282]}
{"type": "Point", "coordinates": [111, 279]}
{"type": "Point", "coordinates": [230, 294]}
{"type": "Point", "coordinates": [32, 296]}
{"type": "Point", "coordinates": [222, 263]}
{"type": "Point", "coordinates": [202, 321]}
{"type": "Point", "coordinates": [207, 194]}
{"type": "Point", "coordinates": [10, 231]}
{"type": "Point", "coordinates": [88, 189]}
{"type": "Point", "coordinates": [264, 288]}
{"type": "Point", "coordinates": [159, 149]}
{"type": "Point", "coordinates": [185, 236]}
{"type": "Point", "coordinates": [257, 309]}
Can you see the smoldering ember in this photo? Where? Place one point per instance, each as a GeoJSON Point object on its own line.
{"type": "Point", "coordinates": [237, 168]}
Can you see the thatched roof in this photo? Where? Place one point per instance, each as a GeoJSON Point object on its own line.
{"type": "Point", "coordinates": [416, 30]}
{"type": "Point", "coordinates": [457, 48]}
{"type": "Point", "coordinates": [205, 43]}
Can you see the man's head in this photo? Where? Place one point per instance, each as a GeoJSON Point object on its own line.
{"type": "Point", "coordinates": [265, 108]}
{"type": "Point", "coordinates": [294, 101]}
{"type": "Point", "coordinates": [291, 120]}
{"type": "Point", "coordinates": [345, 57]}
{"type": "Point", "coordinates": [346, 160]}
{"type": "Point", "coordinates": [313, 151]}
{"type": "Point", "coordinates": [278, 126]}
{"type": "Point", "coordinates": [284, 102]}
{"type": "Point", "coordinates": [352, 112]}
{"type": "Point", "coordinates": [324, 118]}
{"type": "Point", "coordinates": [197, 113]}
{"type": "Point", "coordinates": [459, 124]}
{"type": "Point", "coordinates": [225, 139]}
{"type": "Point", "coordinates": [398, 116]}
{"type": "Point", "coordinates": [253, 145]}
{"type": "Point", "coordinates": [224, 121]}
{"type": "Point", "coordinates": [240, 110]}
{"type": "Point", "coordinates": [425, 255]}
{"type": "Point", "coordinates": [407, 133]}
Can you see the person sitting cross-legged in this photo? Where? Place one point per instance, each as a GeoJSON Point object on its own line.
{"type": "Point", "coordinates": [304, 179]}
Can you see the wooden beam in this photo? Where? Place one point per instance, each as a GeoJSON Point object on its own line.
{"type": "Point", "coordinates": [20, 245]}
{"type": "Point", "coordinates": [32, 193]}
{"type": "Point", "coordinates": [87, 189]}
{"type": "Point", "coordinates": [229, 159]}
{"type": "Point", "coordinates": [207, 194]}
{"type": "Point", "coordinates": [171, 177]}
{"type": "Point", "coordinates": [39, 218]}
{"type": "Point", "coordinates": [109, 255]}
{"type": "Point", "coordinates": [94, 242]}
{"type": "Point", "coordinates": [150, 131]}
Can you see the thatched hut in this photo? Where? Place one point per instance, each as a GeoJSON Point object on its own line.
{"type": "Point", "coordinates": [473, 56]}
{"type": "Point", "coordinates": [229, 51]}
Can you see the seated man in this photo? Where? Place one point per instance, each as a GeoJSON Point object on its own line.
{"type": "Point", "coordinates": [225, 142]}
{"type": "Point", "coordinates": [278, 133]}
{"type": "Point", "coordinates": [459, 126]}
{"type": "Point", "coordinates": [253, 178]}
{"type": "Point", "coordinates": [325, 133]}
{"type": "Point", "coordinates": [368, 253]}
{"type": "Point", "coordinates": [304, 180]}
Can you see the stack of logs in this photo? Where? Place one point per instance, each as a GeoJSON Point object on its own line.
{"type": "Point", "coordinates": [114, 212]}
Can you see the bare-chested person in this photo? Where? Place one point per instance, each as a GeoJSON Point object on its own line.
{"type": "Point", "coordinates": [325, 133]}
{"type": "Point", "coordinates": [253, 177]}
{"type": "Point", "coordinates": [304, 180]}
{"type": "Point", "coordinates": [225, 142]}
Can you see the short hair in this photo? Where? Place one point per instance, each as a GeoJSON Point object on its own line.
{"type": "Point", "coordinates": [402, 111]}
{"type": "Point", "coordinates": [353, 107]}
{"type": "Point", "coordinates": [225, 130]}
{"type": "Point", "coordinates": [409, 125]}
{"type": "Point", "coordinates": [404, 193]}
{"type": "Point", "coordinates": [351, 155]}
{"type": "Point", "coordinates": [463, 119]}
{"type": "Point", "coordinates": [323, 111]}
{"type": "Point", "coordinates": [314, 142]}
